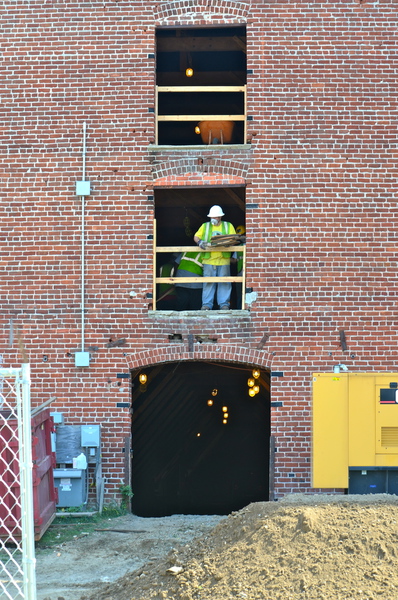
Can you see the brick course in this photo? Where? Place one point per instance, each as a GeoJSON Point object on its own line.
{"type": "Point", "coordinates": [320, 176]}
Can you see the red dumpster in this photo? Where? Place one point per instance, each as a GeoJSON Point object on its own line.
{"type": "Point", "coordinates": [44, 492]}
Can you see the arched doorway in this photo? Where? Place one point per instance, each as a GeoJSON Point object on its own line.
{"type": "Point", "coordinates": [200, 442]}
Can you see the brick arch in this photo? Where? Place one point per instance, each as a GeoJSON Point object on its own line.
{"type": "Point", "coordinates": [187, 171]}
{"type": "Point", "coordinates": [168, 354]}
{"type": "Point", "coordinates": [191, 11]}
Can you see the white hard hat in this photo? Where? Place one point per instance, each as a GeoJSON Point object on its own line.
{"type": "Point", "coordinates": [215, 211]}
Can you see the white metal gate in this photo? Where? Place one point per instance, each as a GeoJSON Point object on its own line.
{"type": "Point", "coordinates": [17, 546]}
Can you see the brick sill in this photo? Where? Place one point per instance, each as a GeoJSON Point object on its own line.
{"type": "Point", "coordinates": [208, 314]}
{"type": "Point", "coordinates": [229, 147]}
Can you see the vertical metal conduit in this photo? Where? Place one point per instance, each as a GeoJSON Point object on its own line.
{"type": "Point", "coordinates": [83, 267]}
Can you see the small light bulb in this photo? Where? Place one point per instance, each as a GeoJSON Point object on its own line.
{"type": "Point", "coordinates": [143, 378]}
{"type": "Point", "coordinates": [224, 408]}
{"type": "Point", "coordinates": [197, 129]}
{"type": "Point", "coordinates": [226, 415]}
{"type": "Point", "coordinates": [214, 392]}
{"type": "Point", "coordinates": [198, 435]}
{"type": "Point", "coordinates": [251, 392]}
{"type": "Point", "coordinates": [189, 72]}
{"type": "Point", "coordinates": [256, 373]}
{"type": "Point", "coordinates": [256, 389]}
{"type": "Point", "coordinates": [250, 382]}
{"type": "Point", "coordinates": [224, 421]}
{"type": "Point", "coordinates": [210, 402]}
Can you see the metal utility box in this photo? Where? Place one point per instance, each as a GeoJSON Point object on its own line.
{"type": "Point", "coordinates": [90, 436]}
{"type": "Point", "coordinates": [82, 359]}
{"type": "Point", "coordinates": [71, 486]}
{"type": "Point", "coordinates": [83, 188]}
{"type": "Point", "coordinates": [58, 418]}
{"type": "Point", "coordinates": [44, 492]}
{"type": "Point", "coordinates": [355, 429]}
{"type": "Point", "coordinates": [72, 441]}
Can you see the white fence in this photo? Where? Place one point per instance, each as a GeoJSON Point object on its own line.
{"type": "Point", "coordinates": [17, 546]}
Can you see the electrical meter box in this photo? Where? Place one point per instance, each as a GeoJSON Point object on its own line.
{"type": "Point", "coordinates": [355, 431]}
{"type": "Point", "coordinates": [90, 436]}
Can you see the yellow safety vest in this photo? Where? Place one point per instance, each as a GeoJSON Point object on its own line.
{"type": "Point", "coordinates": [191, 261]}
{"type": "Point", "coordinates": [209, 234]}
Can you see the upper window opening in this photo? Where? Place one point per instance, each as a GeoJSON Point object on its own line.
{"type": "Point", "coordinates": [201, 86]}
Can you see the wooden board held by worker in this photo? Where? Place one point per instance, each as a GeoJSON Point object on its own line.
{"type": "Point", "coordinates": [228, 240]}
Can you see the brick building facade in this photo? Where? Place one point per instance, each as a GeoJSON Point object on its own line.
{"type": "Point", "coordinates": [312, 173]}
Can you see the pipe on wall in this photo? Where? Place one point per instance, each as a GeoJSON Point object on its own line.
{"type": "Point", "coordinates": [83, 266]}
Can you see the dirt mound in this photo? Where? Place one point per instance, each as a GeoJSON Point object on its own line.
{"type": "Point", "coordinates": [317, 548]}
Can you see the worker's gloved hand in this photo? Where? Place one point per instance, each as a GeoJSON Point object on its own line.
{"type": "Point", "coordinates": [203, 244]}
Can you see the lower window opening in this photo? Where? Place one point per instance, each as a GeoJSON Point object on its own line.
{"type": "Point", "coordinates": [190, 277]}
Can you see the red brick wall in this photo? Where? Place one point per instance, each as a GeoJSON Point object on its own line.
{"type": "Point", "coordinates": [321, 168]}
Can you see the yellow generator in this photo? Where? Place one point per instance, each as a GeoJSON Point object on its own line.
{"type": "Point", "coordinates": [355, 432]}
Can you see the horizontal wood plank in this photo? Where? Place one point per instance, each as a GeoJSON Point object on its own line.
{"type": "Point", "coordinates": [197, 249]}
{"type": "Point", "coordinates": [196, 279]}
{"type": "Point", "coordinates": [201, 117]}
{"type": "Point", "coordinates": [201, 88]}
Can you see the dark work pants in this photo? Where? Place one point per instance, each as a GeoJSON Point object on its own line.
{"type": "Point", "coordinates": [189, 298]}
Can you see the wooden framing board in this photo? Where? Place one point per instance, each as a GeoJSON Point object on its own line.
{"type": "Point", "coordinates": [201, 88]}
{"type": "Point", "coordinates": [197, 249]}
{"type": "Point", "coordinates": [154, 266]}
{"type": "Point", "coordinates": [201, 118]}
{"type": "Point", "coordinates": [196, 279]}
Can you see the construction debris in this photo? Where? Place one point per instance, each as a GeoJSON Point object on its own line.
{"type": "Point", "coordinates": [232, 239]}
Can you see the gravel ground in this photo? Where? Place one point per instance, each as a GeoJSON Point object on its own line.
{"type": "Point", "coordinates": [89, 562]}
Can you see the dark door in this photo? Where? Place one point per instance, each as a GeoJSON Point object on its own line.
{"type": "Point", "coordinates": [200, 442]}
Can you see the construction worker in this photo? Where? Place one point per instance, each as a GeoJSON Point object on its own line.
{"type": "Point", "coordinates": [166, 293]}
{"type": "Point", "coordinates": [237, 258]}
{"type": "Point", "coordinates": [189, 294]}
{"type": "Point", "coordinates": [215, 264]}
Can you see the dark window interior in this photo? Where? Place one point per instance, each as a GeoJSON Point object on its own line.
{"type": "Point", "coordinates": [217, 57]}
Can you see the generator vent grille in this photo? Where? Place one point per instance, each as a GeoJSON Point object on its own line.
{"type": "Point", "coordinates": [389, 436]}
